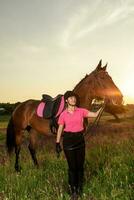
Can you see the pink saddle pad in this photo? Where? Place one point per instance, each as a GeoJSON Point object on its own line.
{"type": "Point", "coordinates": [41, 107]}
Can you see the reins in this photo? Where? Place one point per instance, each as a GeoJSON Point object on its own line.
{"type": "Point", "coordinates": [96, 121]}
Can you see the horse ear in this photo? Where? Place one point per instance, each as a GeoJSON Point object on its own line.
{"type": "Point", "coordinates": [105, 67]}
{"type": "Point", "coordinates": [99, 65]}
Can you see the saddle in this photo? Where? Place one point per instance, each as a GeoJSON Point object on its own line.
{"type": "Point", "coordinates": [50, 108]}
{"type": "Point", "coordinates": [51, 105]}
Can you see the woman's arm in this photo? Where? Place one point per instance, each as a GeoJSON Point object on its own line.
{"type": "Point", "coordinates": [94, 114]}
{"type": "Point", "coordinates": [59, 132]}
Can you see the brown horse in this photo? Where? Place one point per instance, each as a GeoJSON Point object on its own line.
{"type": "Point", "coordinates": [97, 84]}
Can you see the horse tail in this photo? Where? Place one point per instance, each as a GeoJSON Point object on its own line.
{"type": "Point", "coordinates": [10, 137]}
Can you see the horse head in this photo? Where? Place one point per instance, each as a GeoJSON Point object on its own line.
{"type": "Point", "coordinates": [98, 85]}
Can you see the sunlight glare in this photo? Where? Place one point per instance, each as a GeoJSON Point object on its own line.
{"type": "Point", "coordinates": [127, 89]}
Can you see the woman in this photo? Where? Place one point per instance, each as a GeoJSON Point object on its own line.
{"type": "Point", "coordinates": [71, 122]}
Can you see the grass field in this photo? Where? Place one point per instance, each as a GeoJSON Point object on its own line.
{"type": "Point", "coordinates": [109, 166]}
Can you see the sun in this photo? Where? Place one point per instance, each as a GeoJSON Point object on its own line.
{"type": "Point", "coordinates": [127, 89]}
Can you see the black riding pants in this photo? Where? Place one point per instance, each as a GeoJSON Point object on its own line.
{"type": "Point", "coordinates": [74, 149]}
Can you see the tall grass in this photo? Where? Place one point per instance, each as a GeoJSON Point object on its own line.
{"type": "Point", "coordinates": [109, 171]}
{"type": "Point", "coordinates": [4, 120]}
{"type": "Point", "coordinates": [108, 175]}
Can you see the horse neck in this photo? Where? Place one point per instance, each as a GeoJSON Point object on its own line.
{"type": "Point", "coordinates": [85, 100]}
{"type": "Point", "coordinates": [85, 104]}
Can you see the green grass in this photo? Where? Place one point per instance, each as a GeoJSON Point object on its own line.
{"type": "Point", "coordinates": [109, 171]}
{"type": "Point", "coordinates": [108, 175]}
{"type": "Point", "coordinates": [4, 120]}
{"type": "Point", "coordinates": [2, 137]}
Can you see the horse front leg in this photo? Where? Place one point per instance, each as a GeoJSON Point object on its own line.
{"type": "Point", "coordinates": [32, 146]}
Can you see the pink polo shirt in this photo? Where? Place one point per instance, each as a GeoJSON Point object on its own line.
{"type": "Point", "coordinates": [73, 122]}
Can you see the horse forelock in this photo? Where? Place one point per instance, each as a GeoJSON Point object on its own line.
{"type": "Point", "coordinates": [80, 83]}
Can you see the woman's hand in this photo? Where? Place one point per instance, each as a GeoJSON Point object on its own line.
{"type": "Point", "coordinates": [98, 111]}
{"type": "Point", "coordinates": [95, 114]}
{"type": "Point", "coordinates": [58, 149]}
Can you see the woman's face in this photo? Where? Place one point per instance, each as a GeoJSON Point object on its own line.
{"type": "Point", "coordinates": [71, 101]}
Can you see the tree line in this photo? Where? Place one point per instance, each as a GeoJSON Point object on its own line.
{"type": "Point", "coordinates": [7, 108]}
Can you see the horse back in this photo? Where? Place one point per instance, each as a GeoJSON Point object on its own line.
{"type": "Point", "coordinates": [24, 112]}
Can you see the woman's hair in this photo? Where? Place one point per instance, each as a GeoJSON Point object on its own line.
{"type": "Point", "coordinates": [70, 93]}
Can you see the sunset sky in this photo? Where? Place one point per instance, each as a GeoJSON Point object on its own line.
{"type": "Point", "coordinates": [47, 46]}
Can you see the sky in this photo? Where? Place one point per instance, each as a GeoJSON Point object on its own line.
{"type": "Point", "coordinates": [47, 46]}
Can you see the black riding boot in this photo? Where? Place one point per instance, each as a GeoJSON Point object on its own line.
{"type": "Point", "coordinates": [79, 187]}
{"type": "Point", "coordinates": [74, 194]}
{"type": "Point", "coordinates": [72, 183]}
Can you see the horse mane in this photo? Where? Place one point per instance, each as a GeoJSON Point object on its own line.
{"type": "Point", "coordinates": [87, 77]}
{"type": "Point", "coordinates": [78, 84]}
